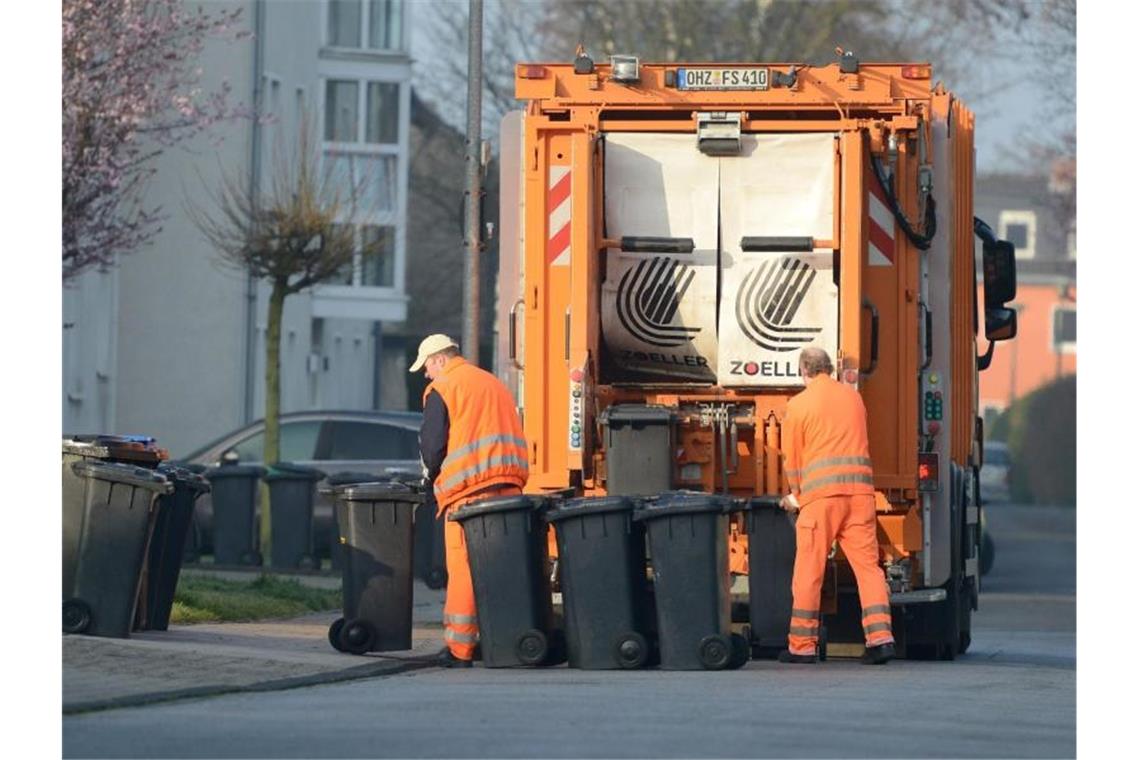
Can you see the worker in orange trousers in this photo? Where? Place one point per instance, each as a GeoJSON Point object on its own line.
{"type": "Point", "coordinates": [473, 448]}
{"type": "Point", "coordinates": [828, 465]}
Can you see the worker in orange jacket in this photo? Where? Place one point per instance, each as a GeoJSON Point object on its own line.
{"type": "Point", "coordinates": [828, 465]}
{"type": "Point", "coordinates": [473, 448]}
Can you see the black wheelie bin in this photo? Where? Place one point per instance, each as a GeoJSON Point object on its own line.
{"type": "Point", "coordinates": [334, 484]}
{"type": "Point", "coordinates": [688, 549]}
{"type": "Point", "coordinates": [606, 602]}
{"type": "Point", "coordinates": [771, 558]}
{"type": "Point", "coordinates": [292, 490]}
{"type": "Point", "coordinates": [375, 526]}
{"type": "Point", "coordinates": [506, 547]}
{"type": "Point", "coordinates": [115, 518]}
{"type": "Point", "coordinates": [233, 489]}
{"type": "Point", "coordinates": [166, 551]}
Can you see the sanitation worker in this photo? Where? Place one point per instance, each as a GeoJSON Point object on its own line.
{"type": "Point", "coordinates": [473, 448]}
{"type": "Point", "coordinates": [828, 465]}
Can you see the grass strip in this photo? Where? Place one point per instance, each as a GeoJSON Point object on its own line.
{"type": "Point", "coordinates": [201, 599]}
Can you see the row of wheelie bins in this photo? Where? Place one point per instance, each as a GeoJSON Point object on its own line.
{"type": "Point", "coordinates": [620, 611]}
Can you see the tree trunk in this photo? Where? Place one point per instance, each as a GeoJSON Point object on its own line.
{"type": "Point", "coordinates": [272, 403]}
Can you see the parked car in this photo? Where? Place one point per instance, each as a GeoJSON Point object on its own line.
{"type": "Point", "coordinates": [994, 475]}
{"type": "Point", "coordinates": [380, 443]}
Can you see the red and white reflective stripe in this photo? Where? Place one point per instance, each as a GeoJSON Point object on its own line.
{"type": "Point", "coordinates": [558, 206]}
{"type": "Point", "coordinates": [881, 226]}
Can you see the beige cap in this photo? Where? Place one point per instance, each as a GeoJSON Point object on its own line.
{"type": "Point", "coordinates": [432, 344]}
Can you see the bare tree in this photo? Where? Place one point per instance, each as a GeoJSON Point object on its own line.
{"type": "Point", "coordinates": [295, 235]}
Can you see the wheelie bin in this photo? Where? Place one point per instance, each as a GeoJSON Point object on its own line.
{"type": "Point", "coordinates": [431, 558]}
{"type": "Point", "coordinates": [101, 579]}
{"type": "Point", "coordinates": [167, 544]}
{"type": "Point", "coordinates": [506, 547]}
{"type": "Point", "coordinates": [333, 485]}
{"type": "Point", "coordinates": [292, 489]}
{"type": "Point", "coordinates": [375, 526]}
{"type": "Point", "coordinates": [233, 489]}
{"type": "Point", "coordinates": [771, 558]}
{"type": "Point", "coordinates": [688, 549]}
{"type": "Point", "coordinates": [606, 602]}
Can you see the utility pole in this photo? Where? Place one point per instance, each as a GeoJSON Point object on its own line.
{"type": "Point", "coordinates": [474, 238]}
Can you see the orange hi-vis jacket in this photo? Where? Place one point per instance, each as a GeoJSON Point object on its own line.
{"type": "Point", "coordinates": [485, 443]}
{"type": "Point", "coordinates": [824, 442]}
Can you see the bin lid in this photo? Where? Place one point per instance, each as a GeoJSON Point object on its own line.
{"type": "Point", "coordinates": [591, 505]}
{"type": "Point", "coordinates": [643, 413]}
{"type": "Point", "coordinates": [682, 503]}
{"type": "Point", "coordinates": [515, 503]}
{"type": "Point", "coordinates": [348, 477]}
{"type": "Point", "coordinates": [291, 471]}
{"type": "Point", "coordinates": [762, 501]}
{"type": "Point", "coordinates": [374, 492]}
{"type": "Point", "coordinates": [113, 447]}
{"type": "Point", "coordinates": [184, 477]}
{"type": "Point", "coordinates": [117, 472]}
{"type": "Point", "coordinates": [234, 471]}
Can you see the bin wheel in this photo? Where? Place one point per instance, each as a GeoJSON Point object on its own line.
{"type": "Point", "coordinates": [357, 636]}
{"type": "Point", "coordinates": [741, 651]}
{"type": "Point", "coordinates": [250, 558]}
{"type": "Point", "coordinates": [436, 578]}
{"type": "Point", "coordinates": [76, 616]}
{"type": "Point", "coordinates": [531, 647]}
{"type": "Point", "coordinates": [308, 562]}
{"type": "Point", "coordinates": [631, 650]}
{"type": "Point", "coordinates": [334, 634]}
{"type": "Point", "coordinates": [715, 652]}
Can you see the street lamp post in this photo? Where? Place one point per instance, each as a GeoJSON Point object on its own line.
{"type": "Point", "coordinates": [474, 238]}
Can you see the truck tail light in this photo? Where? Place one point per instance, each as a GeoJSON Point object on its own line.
{"type": "Point", "coordinates": [928, 471]}
{"type": "Point", "coordinates": [532, 72]}
{"type": "Point", "coordinates": [916, 72]}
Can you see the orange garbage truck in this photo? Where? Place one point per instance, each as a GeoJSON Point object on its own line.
{"type": "Point", "coordinates": [672, 234]}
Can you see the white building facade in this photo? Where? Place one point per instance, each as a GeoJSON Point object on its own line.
{"type": "Point", "coordinates": [170, 343]}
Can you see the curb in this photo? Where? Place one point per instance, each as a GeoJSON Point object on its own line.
{"type": "Point", "coordinates": [384, 668]}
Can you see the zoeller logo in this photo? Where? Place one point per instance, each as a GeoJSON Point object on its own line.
{"type": "Point", "coordinates": [647, 300]}
{"type": "Point", "coordinates": [768, 300]}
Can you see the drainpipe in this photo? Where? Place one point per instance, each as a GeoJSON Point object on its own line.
{"type": "Point", "coordinates": [254, 188]}
{"type": "Point", "coordinates": [378, 352]}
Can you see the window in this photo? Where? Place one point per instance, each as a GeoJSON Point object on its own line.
{"type": "Point", "coordinates": [341, 117]}
{"type": "Point", "coordinates": [356, 441]}
{"type": "Point", "coordinates": [298, 443]}
{"type": "Point", "coordinates": [378, 256]}
{"type": "Point", "coordinates": [1065, 329]}
{"type": "Point", "coordinates": [1020, 229]}
{"type": "Point", "coordinates": [384, 20]}
{"type": "Point", "coordinates": [383, 113]}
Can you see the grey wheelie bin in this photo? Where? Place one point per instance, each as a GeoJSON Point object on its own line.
{"type": "Point", "coordinates": [101, 577]}
{"type": "Point", "coordinates": [167, 547]}
{"type": "Point", "coordinates": [606, 602]}
{"type": "Point", "coordinates": [771, 558]}
{"type": "Point", "coordinates": [292, 490]}
{"type": "Point", "coordinates": [233, 489]}
{"type": "Point", "coordinates": [333, 485]}
{"type": "Point", "coordinates": [506, 548]}
{"type": "Point", "coordinates": [688, 549]}
{"type": "Point", "coordinates": [375, 526]}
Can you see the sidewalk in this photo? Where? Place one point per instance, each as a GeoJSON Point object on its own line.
{"type": "Point", "coordinates": [218, 658]}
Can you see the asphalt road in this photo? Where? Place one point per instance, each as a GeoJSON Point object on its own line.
{"type": "Point", "coordinates": [1012, 695]}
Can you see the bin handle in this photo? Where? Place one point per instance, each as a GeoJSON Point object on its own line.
{"type": "Point", "coordinates": [867, 304]}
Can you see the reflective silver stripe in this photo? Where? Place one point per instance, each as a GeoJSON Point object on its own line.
{"type": "Point", "coordinates": [837, 462]}
{"type": "Point", "coordinates": [460, 619]}
{"type": "Point", "coordinates": [460, 638]}
{"type": "Point", "coordinates": [877, 609]}
{"type": "Point", "coordinates": [806, 614]}
{"type": "Point", "coordinates": [459, 477]}
{"type": "Point", "coordinates": [876, 627]}
{"type": "Point", "coordinates": [487, 441]}
{"type": "Point", "coordinates": [796, 630]}
{"type": "Point", "coordinates": [792, 473]}
{"type": "Point", "coordinates": [828, 480]}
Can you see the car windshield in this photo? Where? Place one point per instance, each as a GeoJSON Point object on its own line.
{"type": "Point", "coordinates": [372, 441]}
{"type": "Point", "coordinates": [998, 455]}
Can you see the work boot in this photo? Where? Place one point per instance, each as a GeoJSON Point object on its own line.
{"type": "Point", "coordinates": [798, 659]}
{"type": "Point", "coordinates": [879, 655]}
{"type": "Point", "coordinates": [447, 660]}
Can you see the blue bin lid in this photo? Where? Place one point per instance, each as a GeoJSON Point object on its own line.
{"type": "Point", "coordinates": [591, 505]}
{"type": "Point", "coordinates": [515, 503]}
{"type": "Point", "coordinates": [117, 472]}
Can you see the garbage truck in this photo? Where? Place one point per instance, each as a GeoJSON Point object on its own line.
{"type": "Point", "coordinates": [672, 234]}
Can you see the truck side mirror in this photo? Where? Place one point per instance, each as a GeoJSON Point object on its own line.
{"type": "Point", "coordinates": [1001, 323]}
{"type": "Point", "coordinates": [999, 273]}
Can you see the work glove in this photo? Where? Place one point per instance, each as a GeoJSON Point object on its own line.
{"type": "Point", "coordinates": [789, 503]}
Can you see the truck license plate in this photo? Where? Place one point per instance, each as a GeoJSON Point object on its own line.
{"type": "Point", "coordinates": [722, 79]}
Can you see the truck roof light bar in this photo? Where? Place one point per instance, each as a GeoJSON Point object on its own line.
{"type": "Point", "coordinates": [757, 244]}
